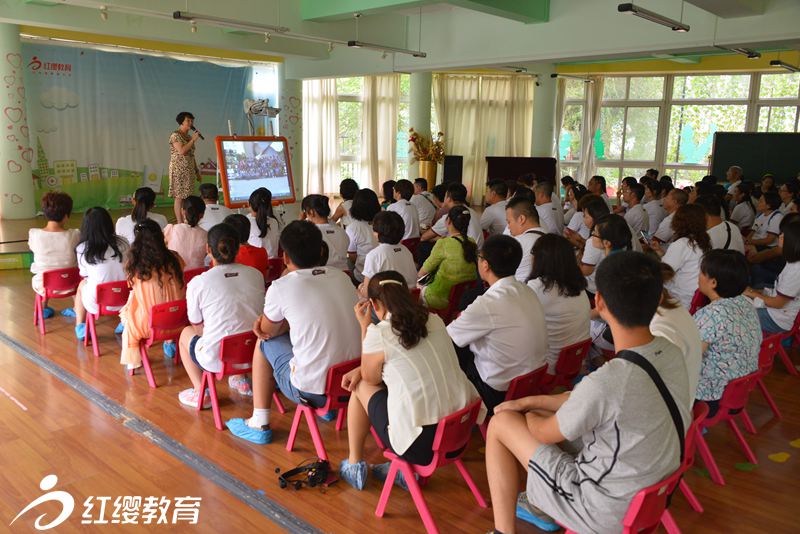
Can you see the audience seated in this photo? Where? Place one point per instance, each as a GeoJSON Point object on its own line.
{"type": "Point", "coordinates": [728, 325]}
{"type": "Point", "coordinates": [143, 200]}
{"type": "Point", "coordinates": [389, 254]}
{"type": "Point", "coordinates": [561, 288]}
{"type": "Point", "coordinates": [426, 203]}
{"type": "Point", "coordinates": [215, 213]}
{"type": "Point", "coordinates": [187, 238]}
{"type": "Point", "coordinates": [652, 205]}
{"type": "Point", "coordinates": [522, 219]}
{"type": "Point", "coordinates": [53, 246]}
{"type": "Point", "coordinates": [788, 191]}
{"type": "Point", "coordinates": [493, 218]}
{"type": "Point", "coordinates": [362, 212]}
{"type": "Point", "coordinates": [387, 188]}
{"type": "Point", "coordinates": [456, 196]}
{"type": "Point", "coordinates": [264, 227]}
{"type": "Point", "coordinates": [347, 189]}
{"type": "Point", "coordinates": [551, 217]}
{"type": "Point", "coordinates": [597, 186]}
{"type": "Point", "coordinates": [635, 214]}
{"type": "Point", "coordinates": [316, 209]}
{"type": "Point", "coordinates": [594, 210]}
{"type": "Point", "coordinates": [307, 326]}
{"type": "Point", "coordinates": [766, 228]}
{"type": "Point", "coordinates": [674, 200]}
{"type": "Point", "coordinates": [503, 333]}
{"type": "Point", "coordinates": [227, 299]}
{"type": "Point", "coordinates": [100, 255]}
{"type": "Point", "coordinates": [723, 234]}
{"type": "Point", "coordinates": [574, 193]}
{"type": "Point", "coordinates": [625, 436]}
{"type": "Point", "coordinates": [403, 386]}
{"type": "Point", "coordinates": [255, 257]}
{"type": "Point", "coordinates": [403, 191]}
{"type": "Point", "coordinates": [439, 192]}
{"type": "Point", "coordinates": [155, 276]}
{"type": "Point", "coordinates": [744, 211]}
{"type": "Point", "coordinates": [611, 234]}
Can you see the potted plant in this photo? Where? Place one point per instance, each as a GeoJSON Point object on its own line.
{"type": "Point", "coordinates": [428, 152]}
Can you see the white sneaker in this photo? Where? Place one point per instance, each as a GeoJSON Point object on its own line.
{"type": "Point", "coordinates": [188, 397]}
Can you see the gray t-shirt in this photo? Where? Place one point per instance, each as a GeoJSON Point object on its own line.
{"type": "Point", "coordinates": [628, 436]}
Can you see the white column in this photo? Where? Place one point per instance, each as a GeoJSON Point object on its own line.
{"type": "Point", "coordinates": [16, 182]}
{"type": "Point", "coordinates": [419, 110]}
{"type": "Point", "coordinates": [544, 108]}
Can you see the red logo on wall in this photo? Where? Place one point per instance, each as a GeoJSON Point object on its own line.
{"type": "Point", "coordinates": [50, 68]}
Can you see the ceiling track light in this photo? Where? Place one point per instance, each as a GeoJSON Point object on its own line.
{"type": "Point", "coordinates": [383, 48]}
{"type": "Point", "coordinates": [749, 53]}
{"type": "Point", "coordinates": [784, 65]}
{"type": "Point", "coordinates": [227, 23]}
{"type": "Point", "coordinates": [194, 27]}
{"type": "Point", "coordinates": [633, 9]}
{"type": "Point", "coordinates": [583, 79]}
{"type": "Point", "coordinates": [267, 37]}
{"type": "Point", "coordinates": [103, 13]}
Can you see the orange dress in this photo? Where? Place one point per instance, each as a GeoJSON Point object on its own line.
{"type": "Point", "coordinates": [135, 315]}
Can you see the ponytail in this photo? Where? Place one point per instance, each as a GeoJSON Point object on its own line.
{"type": "Point", "coordinates": [223, 240]}
{"type": "Point", "coordinates": [195, 208]}
{"type": "Point", "coordinates": [746, 189]}
{"type": "Point", "coordinates": [459, 217]}
{"type": "Point", "coordinates": [261, 204]}
{"type": "Point", "coordinates": [409, 318]}
{"type": "Point", "coordinates": [144, 199]}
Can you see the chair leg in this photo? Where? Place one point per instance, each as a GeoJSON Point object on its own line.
{"type": "Point", "coordinates": [316, 437]}
{"type": "Point", "coordinates": [212, 388]}
{"type": "Point", "coordinates": [387, 489]}
{"type": "Point", "coordinates": [708, 459]}
{"type": "Point", "coordinates": [341, 418]}
{"type": "Point", "coordinates": [298, 414]}
{"type": "Point", "coordinates": [471, 483]}
{"type": "Point", "coordinates": [768, 398]}
{"type": "Point", "coordinates": [146, 364]}
{"type": "Point", "coordinates": [419, 500]}
{"type": "Point", "coordinates": [276, 400]}
{"type": "Point", "coordinates": [40, 312]}
{"type": "Point", "coordinates": [787, 362]}
{"type": "Point", "coordinates": [87, 337]}
{"type": "Point", "coordinates": [745, 447]}
{"type": "Point", "coordinates": [93, 330]}
{"type": "Point", "coordinates": [746, 421]}
{"type": "Point", "coordinates": [203, 385]}
{"type": "Point", "coordinates": [690, 497]}
{"type": "Point", "coordinates": [669, 523]}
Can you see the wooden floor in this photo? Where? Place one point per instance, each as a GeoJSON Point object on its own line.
{"type": "Point", "coordinates": [94, 454]}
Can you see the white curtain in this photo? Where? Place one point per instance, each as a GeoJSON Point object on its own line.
{"type": "Point", "coordinates": [561, 90]}
{"type": "Point", "coordinates": [320, 137]}
{"type": "Point", "coordinates": [588, 159]}
{"type": "Point", "coordinates": [381, 97]}
{"type": "Point", "coordinates": [484, 116]}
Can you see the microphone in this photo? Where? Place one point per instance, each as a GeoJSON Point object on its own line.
{"type": "Point", "coordinates": [195, 130]}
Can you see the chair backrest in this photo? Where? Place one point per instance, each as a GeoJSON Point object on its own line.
{"type": "Point", "coordinates": [411, 245]}
{"type": "Point", "coordinates": [236, 354]}
{"type": "Point", "coordinates": [338, 397]}
{"type": "Point", "coordinates": [112, 296]}
{"type": "Point", "coordinates": [526, 385]}
{"type": "Point", "coordinates": [698, 301]}
{"type": "Point", "coordinates": [646, 508]}
{"type": "Point", "coordinates": [415, 292]}
{"type": "Point", "coordinates": [275, 267]}
{"type": "Point", "coordinates": [167, 320]}
{"type": "Point", "coordinates": [60, 283]}
{"type": "Point", "coordinates": [452, 435]}
{"type": "Point", "coordinates": [766, 356]}
{"type": "Point", "coordinates": [699, 414]}
{"type": "Point", "coordinates": [570, 359]}
{"type": "Point", "coordinates": [191, 273]}
{"type": "Point", "coordinates": [736, 393]}
{"type": "Point", "coordinates": [456, 292]}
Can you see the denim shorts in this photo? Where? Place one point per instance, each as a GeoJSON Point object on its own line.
{"type": "Point", "coordinates": [279, 354]}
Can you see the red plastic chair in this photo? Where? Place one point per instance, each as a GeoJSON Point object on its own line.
{"type": "Point", "coordinates": [415, 293]}
{"type": "Point", "coordinates": [794, 333]}
{"type": "Point", "coordinates": [734, 399]}
{"type": "Point", "coordinates": [698, 301]}
{"type": "Point", "coordinates": [338, 398]}
{"type": "Point", "coordinates": [766, 359]}
{"type": "Point", "coordinates": [456, 292]}
{"type": "Point", "coordinates": [236, 355]}
{"type": "Point", "coordinates": [191, 273]}
{"type": "Point", "coordinates": [452, 437]}
{"type": "Point", "coordinates": [111, 297]}
{"type": "Point", "coordinates": [526, 385]}
{"type": "Point", "coordinates": [411, 244]}
{"type": "Point", "coordinates": [699, 414]}
{"type": "Point", "coordinates": [167, 320]}
{"type": "Point", "coordinates": [275, 267]}
{"type": "Point", "coordinates": [569, 364]}
{"type": "Point", "coordinates": [57, 284]}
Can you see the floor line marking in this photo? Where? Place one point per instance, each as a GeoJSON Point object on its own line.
{"type": "Point", "coordinates": [13, 399]}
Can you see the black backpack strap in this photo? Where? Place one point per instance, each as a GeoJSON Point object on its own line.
{"type": "Point", "coordinates": [647, 367]}
{"type": "Point", "coordinates": [727, 241]}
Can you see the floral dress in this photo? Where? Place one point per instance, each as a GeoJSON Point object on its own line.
{"type": "Point", "coordinates": [183, 169]}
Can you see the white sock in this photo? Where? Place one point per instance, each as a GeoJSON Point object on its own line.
{"type": "Point", "coordinates": [260, 418]}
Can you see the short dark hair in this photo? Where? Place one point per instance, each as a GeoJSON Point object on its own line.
{"type": "Point", "coordinates": [614, 228]}
{"type": "Point", "coordinates": [629, 181]}
{"type": "Point", "coordinates": [387, 189]}
{"type": "Point", "coordinates": [637, 190]}
{"type": "Point", "coordinates": [422, 183]}
{"type": "Point", "coordinates": [241, 224]}
{"type": "Point", "coordinates": [567, 180]}
{"type": "Point", "coordinates": [596, 208]}
{"type": "Point", "coordinates": [526, 193]}
{"type": "Point", "coordinates": [600, 180]}
{"type": "Point", "coordinates": [648, 172]}
{"type": "Point", "coordinates": [710, 179]}
{"type": "Point", "coordinates": [680, 196]}
{"type": "Point", "coordinates": [318, 203]}
{"type": "Point", "coordinates": [365, 205]}
{"type": "Point", "coordinates": [195, 208]}
{"type": "Point", "coordinates": [223, 240]}
{"type": "Point", "coordinates": [348, 188]}
{"type": "Point", "coordinates": [544, 187]}
{"type": "Point", "coordinates": [710, 203]}
{"type": "Point", "coordinates": [439, 191]}
{"type": "Point", "coordinates": [302, 242]}
{"type": "Point", "coordinates": [457, 192]}
{"type": "Point", "coordinates": [389, 226]}
{"type": "Point", "coordinates": [512, 187]}
{"type": "Point", "coordinates": [499, 187]}
{"type": "Point", "coordinates": [554, 264]}
{"type": "Point", "coordinates": [772, 199]}
{"type": "Point", "coordinates": [182, 116]}
{"type": "Point", "coordinates": [503, 253]}
{"type": "Point", "coordinates": [405, 188]}
{"type": "Point", "coordinates": [527, 179]}
{"type": "Point", "coordinates": [630, 283]}
{"type": "Point", "coordinates": [791, 241]}
{"type": "Point", "coordinates": [209, 191]}
{"type": "Point", "coordinates": [56, 205]}
{"type": "Point", "coordinates": [653, 185]}
{"type": "Point", "coordinates": [729, 269]}
{"type": "Point", "coordinates": [523, 206]}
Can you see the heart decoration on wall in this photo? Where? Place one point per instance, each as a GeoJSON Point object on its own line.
{"type": "Point", "coordinates": [24, 130]}
{"type": "Point", "coordinates": [16, 199]}
{"type": "Point", "coordinates": [27, 154]}
{"type": "Point", "coordinates": [294, 101]}
{"type": "Point", "coordinates": [13, 114]}
{"type": "Point", "coordinates": [294, 119]}
{"type": "Point", "coordinates": [12, 138]}
{"type": "Point", "coordinates": [10, 79]}
{"type": "Point", "coordinates": [15, 60]}
{"type": "Point", "coordinates": [13, 166]}
{"type": "Point", "coordinates": [21, 91]}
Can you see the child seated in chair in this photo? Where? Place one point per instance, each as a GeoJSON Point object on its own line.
{"type": "Point", "coordinates": [407, 381]}
{"type": "Point", "coordinates": [255, 257]}
{"type": "Point", "coordinates": [389, 255]}
{"type": "Point", "coordinates": [224, 300]}
{"type": "Point", "coordinates": [307, 327]}
{"type": "Point", "coordinates": [54, 245]}
{"type": "Point", "coordinates": [589, 451]}
{"type": "Point", "coordinates": [187, 238]}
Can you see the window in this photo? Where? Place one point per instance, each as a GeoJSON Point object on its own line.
{"type": "Point", "coordinates": [782, 92]}
{"type": "Point", "coordinates": [403, 124]}
{"type": "Point", "coordinates": [570, 140]}
{"type": "Point", "coordinates": [350, 108]}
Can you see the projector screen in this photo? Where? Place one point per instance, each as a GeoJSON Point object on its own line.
{"type": "Point", "coordinates": [247, 163]}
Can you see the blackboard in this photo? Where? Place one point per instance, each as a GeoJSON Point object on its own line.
{"type": "Point", "coordinates": [757, 154]}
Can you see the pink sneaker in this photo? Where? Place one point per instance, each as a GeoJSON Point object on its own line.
{"type": "Point", "coordinates": [241, 383]}
{"type": "Point", "coordinates": [188, 397]}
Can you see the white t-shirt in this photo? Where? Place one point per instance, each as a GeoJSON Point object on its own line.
{"type": "Point", "coordinates": [664, 233]}
{"type": "Point", "coordinates": [768, 224]}
{"type": "Point", "coordinates": [550, 218]}
{"type": "Point", "coordinates": [426, 208]}
{"type": "Point", "coordinates": [505, 330]}
{"type": "Point", "coordinates": [318, 305]}
{"type": "Point", "coordinates": [787, 285]}
{"type": "Point", "coordinates": [577, 224]}
{"type": "Point", "coordinates": [684, 258]}
{"type": "Point", "coordinates": [362, 240]}
{"type": "Point", "coordinates": [785, 208]}
{"type": "Point", "coordinates": [51, 250]}
{"type": "Point", "coordinates": [680, 329]}
{"type": "Point", "coordinates": [386, 257]}
{"type": "Point", "coordinates": [346, 218]}
{"type": "Point", "coordinates": [592, 256]}
{"type": "Point", "coordinates": [719, 236]}
{"type": "Point", "coordinates": [125, 225]}
{"type": "Point", "coordinates": [526, 240]}
{"type": "Point", "coordinates": [655, 213]}
{"type": "Point", "coordinates": [493, 218]}
{"type": "Point", "coordinates": [410, 216]}
{"type": "Point", "coordinates": [474, 230]}
{"type": "Point", "coordinates": [338, 243]}
{"type": "Point", "coordinates": [743, 215]}
{"type": "Point", "coordinates": [270, 241]}
{"type": "Point", "coordinates": [109, 269]}
{"type": "Point", "coordinates": [567, 319]}
{"type": "Point", "coordinates": [227, 299]}
{"type": "Point", "coordinates": [423, 383]}
{"type": "Point", "coordinates": [215, 214]}
{"type": "Point", "coordinates": [638, 220]}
